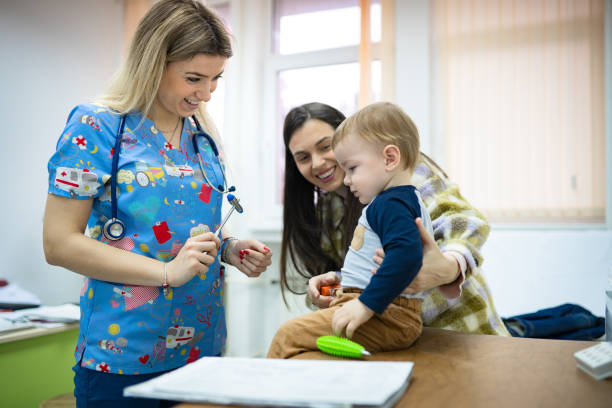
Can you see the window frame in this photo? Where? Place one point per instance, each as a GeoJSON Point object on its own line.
{"type": "Point", "coordinates": [608, 109]}
{"type": "Point", "coordinates": [251, 88]}
{"type": "Point", "coordinates": [268, 223]}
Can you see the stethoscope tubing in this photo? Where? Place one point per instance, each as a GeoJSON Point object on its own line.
{"type": "Point", "coordinates": [114, 229]}
{"type": "Point", "coordinates": [114, 168]}
{"type": "Point", "coordinates": [221, 189]}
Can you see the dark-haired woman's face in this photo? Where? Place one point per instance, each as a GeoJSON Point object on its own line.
{"type": "Point", "coordinates": [311, 148]}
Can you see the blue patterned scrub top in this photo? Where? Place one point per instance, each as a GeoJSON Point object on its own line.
{"type": "Point", "coordinates": [163, 200]}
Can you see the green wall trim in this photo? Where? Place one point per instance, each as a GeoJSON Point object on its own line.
{"type": "Point", "coordinates": [36, 369]}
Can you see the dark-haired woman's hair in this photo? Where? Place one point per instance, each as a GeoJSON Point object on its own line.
{"type": "Point", "coordinates": [302, 229]}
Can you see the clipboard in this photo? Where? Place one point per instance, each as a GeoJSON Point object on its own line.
{"type": "Point", "coordinates": [274, 382]}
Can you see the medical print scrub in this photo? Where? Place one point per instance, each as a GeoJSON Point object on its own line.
{"type": "Point", "coordinates": [163, 199]}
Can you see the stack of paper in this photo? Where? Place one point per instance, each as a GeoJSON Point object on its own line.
{"type": "Point", "coordinates": [303, 383]}
{"type": "Point", "coordinates": [7, 325]}
{"type": "Point", "coordinates": [12, 296]}
{"type": "Point", "coordinates": [59, 314]}
{"type": "Point", "coordinates": [44, 316]}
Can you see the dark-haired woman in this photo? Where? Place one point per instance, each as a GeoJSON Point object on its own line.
{"type": "Point", "coordinates": [319, 218]}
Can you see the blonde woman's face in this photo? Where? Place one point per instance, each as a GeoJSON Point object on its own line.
{"type": "Point", "coordinates": [311, 148]}
{"type": "Point", "coordinates": [185, 84]}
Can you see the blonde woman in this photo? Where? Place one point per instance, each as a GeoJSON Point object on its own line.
{"type": "Point", "coordinates": [142, 171]}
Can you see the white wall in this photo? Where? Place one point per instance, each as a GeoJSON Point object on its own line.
{"type": "Point", "coordinates": [533, 269]}
{"type": "Point", "coordinates": [55, 54]}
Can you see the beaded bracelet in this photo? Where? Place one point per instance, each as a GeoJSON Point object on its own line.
{"type": "Point", "coordinates": [225, 248]}
{"type": "Point", "coordinates": [165, 284]}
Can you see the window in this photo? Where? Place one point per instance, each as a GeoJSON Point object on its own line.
{"type": "Point", "coordinates": [316, 58]}
{"type": "Point", "coordinates": [216, 105]}
{"type": "Point", "coordinates": [302, 26]}
{"type": "Point", "coordinates": [521, 101]}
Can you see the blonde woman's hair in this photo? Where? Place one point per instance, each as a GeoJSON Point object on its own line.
{"type": "Point", "coordinates": [383, 123]}
{"type": "Point", "coordinates": [172, 30]}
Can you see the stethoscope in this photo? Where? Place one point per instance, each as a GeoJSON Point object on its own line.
{"type": "Point", "coordinates": [114, 229]}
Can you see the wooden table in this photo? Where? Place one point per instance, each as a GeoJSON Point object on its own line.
{"type": "Point", "coordinates": [467, 370]}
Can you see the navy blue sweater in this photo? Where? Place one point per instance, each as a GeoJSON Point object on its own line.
{"type": "Point", "coordinates": [391, 216]}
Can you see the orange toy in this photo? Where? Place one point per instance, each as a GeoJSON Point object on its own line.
{"type": "Point", "coordinates": [329, 290]}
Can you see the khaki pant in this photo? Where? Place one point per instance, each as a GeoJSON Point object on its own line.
{"type": "Point", "coordinates": [397, 328]}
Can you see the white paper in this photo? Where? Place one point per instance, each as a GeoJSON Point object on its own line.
{"type": "Point", "coordinates": [311, 383]}
{"type": "Point", "coordinates": [14, 294]}
{"type": "Point", "coordinates": [61, 314]}
{"type": "Point", "coordinates": [66, 313]}
{"type": "Point", "coordinates": [7, 325]}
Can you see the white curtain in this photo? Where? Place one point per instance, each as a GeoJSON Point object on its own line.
{"type": "Point", "coordinates": [521, 100]}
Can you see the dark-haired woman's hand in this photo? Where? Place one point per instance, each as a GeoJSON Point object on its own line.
{"type": "Point", "coordinates": [437, 269]}
{"type": "Point", "coordinates": [314, 288]}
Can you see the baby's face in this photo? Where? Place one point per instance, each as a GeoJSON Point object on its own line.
{"type": "Point", "coordinates": [364, 167]}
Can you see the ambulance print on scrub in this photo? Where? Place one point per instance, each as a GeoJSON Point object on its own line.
{"type": "Point", "coordinates": [178, 171]}
{"type": "Point", "coordinates": [179, 335]}
{"type": "Point", "coordinates": [76, 181]}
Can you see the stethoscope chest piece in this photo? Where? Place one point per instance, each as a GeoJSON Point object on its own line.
{"type": "Point", "coordinates": [114, 229]}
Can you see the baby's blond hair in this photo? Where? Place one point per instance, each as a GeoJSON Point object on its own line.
{"type": "Point", "coordinates": [383, 123]}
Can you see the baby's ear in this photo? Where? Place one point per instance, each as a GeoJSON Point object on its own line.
{"type": "Point", "coordinates": [392, 155]}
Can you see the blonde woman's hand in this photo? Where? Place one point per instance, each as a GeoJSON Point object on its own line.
{"type": "Point", "coordinates": [436, 270]}
{"type": "Point", "coordinates": [314, 288]}
{"type": "Point", "coordinates": [194, 258]}
{"type": "Point", "coordinates": [251, 257]}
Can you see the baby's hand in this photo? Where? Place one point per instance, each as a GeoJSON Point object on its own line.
{"type": "Point", "coordinates": [350, 316]}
